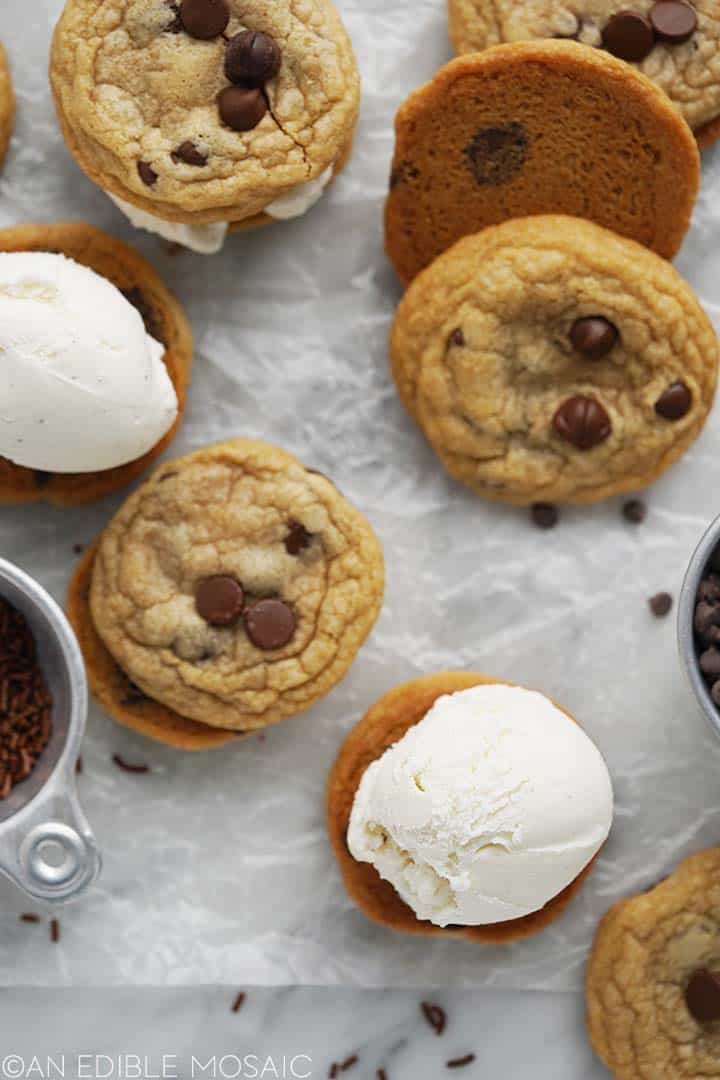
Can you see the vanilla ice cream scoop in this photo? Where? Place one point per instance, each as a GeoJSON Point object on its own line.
{"type": "Point", "coordinates": [83, 386]}
{"type": "Point", "coordinates": [485, 810]}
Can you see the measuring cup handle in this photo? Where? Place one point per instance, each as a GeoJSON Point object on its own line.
{"type": "Point", "coordinates": [56, 857]}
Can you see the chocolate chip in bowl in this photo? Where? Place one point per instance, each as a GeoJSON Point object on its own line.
{"type": "Point", "coordinates": [698, 624]}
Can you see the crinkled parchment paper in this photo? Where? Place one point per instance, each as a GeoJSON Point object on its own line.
{"type": "Point", "coordinates": [216, 866]}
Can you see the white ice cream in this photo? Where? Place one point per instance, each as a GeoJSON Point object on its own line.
{"type": "Point", "coordinates": [83, 387]}
{"type": "Point", "coordinates": [205, 239]}
{"type": "Point", "coordinates": [485, 810]}
{"type": "Point", "coordinates": [208, 239]}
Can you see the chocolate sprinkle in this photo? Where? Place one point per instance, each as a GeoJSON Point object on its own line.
{"type": "Point", "coordinates": [25, 702]}
{"type": "Point", "coordinates": [239, 1002]}
{"type": "Point", "coordinates": [435, 1016]}
{"type": "Point", "coordinates": [129, 767]}
{"type": "Point", "coordinates": [460, 1062]}
{"type": "Point", "coordinates": [54, 931]}
{"type": "Point", "coordinates": [29, 918]}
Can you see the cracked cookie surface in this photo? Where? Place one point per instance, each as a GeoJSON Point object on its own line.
{"type": "Point", "coordinates": [138, 100]}
{"type": "Point", "coordinates": [306, 585]}
{"type": "Point", "coordinates": [688, 71]}
{"type": "Point", "coordinates": [537, 128]}
{"type": "Point", "coordinates": [495, 354]}
{"type": "Point", "coordinates": [646, 954]}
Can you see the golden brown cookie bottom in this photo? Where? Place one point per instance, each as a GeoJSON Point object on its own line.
{"type": "Point", "coordinates": [7, 105]}
{"type": "Point", "coordinates": [164, 319]}
{"type": "Point", "coordinates": [124, 702]}
{"type": "Point", "coordinates": [384, 724]}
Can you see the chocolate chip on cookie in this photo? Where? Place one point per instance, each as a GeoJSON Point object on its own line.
{"type": "Point", "coordinates": [457, 338]}
{"type": "Point", "coordinates": [270, 624]}
{"type": "Point", "coordinates": [219, 600]}
{"type": "Point", "coordinates": [146, 173]}
{"type": "Point", "coordinates": [673, 21]}
{"type": "Point", "coordinates": [674, 402]}
{"type": "Point", "coordinates": [204, 19]}
{"type": "Point", "coordinates": [582, 421]}
{"type": "Point", "coordinates": [241, 108]}
{"type": "Point", "coordinates": [702, 996]}
{"type": "Point", "coordinates": [188, 153]}
{"type": "Point", "coordinates": [497, 154]}
{"type": "Point", "coordinates": [593, 336]}
{"type": "Point", "coordinates": [252, 58]}
{"type": "Point", "coordinates": [629, 36]}
{"type": "Point", "coordinates": [297, 539]}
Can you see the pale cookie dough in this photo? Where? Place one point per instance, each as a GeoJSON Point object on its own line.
{"type": "Point", "coordinates": [7, 105]}
{"type": "Point", "coordinates": [284, 537]}
{"type": "Point", "coordinates": [688, 71]}
{"type": "Point", "coordinates": [137, 98]}
{"type": "Point", "coordinates": [653, 979]}
{"type": "Point", "coordinates": [548, 360]}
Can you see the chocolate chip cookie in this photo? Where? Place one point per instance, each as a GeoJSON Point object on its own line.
{"type": "Point", "coordinates": [7, 105]}
{"type": "Point", "coordinates": [382, 726]}
{"type": "Point", "coordinates": [653, 979]}
{"type": "Point", "coordinates": [537, 128]}
{"type": "Point", "coordinates": [549, 360]}
{"type": "Point", "coordinates": [164, 320]}
{"type": "Point", "coordinates": [674, 43]}
{"type": "Point", "coordinates": [205, 111]}
{"type": "Point", "coordinates": [232, 590]}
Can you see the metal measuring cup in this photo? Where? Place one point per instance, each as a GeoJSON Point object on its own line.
{"type": "Point", "coordinates": [46, 845]}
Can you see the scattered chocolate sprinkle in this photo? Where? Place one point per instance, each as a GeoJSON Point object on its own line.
{"type": "Point", "coordinates": [78, 549]}
{"type": "Point", "coordinates": [381, 1075]}
{"type": "Point", "coordinates": [128, 766]}
{"type": "Point", "coordinates": [54, 931]}
{"type": "Point", "coordinates": [435, 1016]}
{"type": "Point", "coordinates": [349, 1062]}
{"type": "Point", "coordinates": [661, 604]}
{"type": "Point", "coordinates": [460, 1062]}
{"type": "Point", "coordinates": [334, 1070]}
{"type": "Point", "coordinates": [239, 1002]}
{"type": "Point", "coordinates": [30, 918]}
{"type": "Point", "coordinates": [545, 515]}
{"type": "Point", "coordinates": [79, 766]}
{"type": "Point", "coordinates": [25, 702]}
{"type": "Point", "coordinates": [635, 511]}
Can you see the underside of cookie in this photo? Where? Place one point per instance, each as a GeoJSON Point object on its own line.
{"type": "Point", "coordinates": [256, 101]}
{"type": "Point", "coordinates": [537, 128]}
{"type": "Point", "coordinates": [549, 360]}
{"type": "Point", "coordinates": [665, 40]}
{"type": "Point", "coordinates": [385, 723]}
{"type": "Point", "coordinates": [164, 319]}
{"type": "Point", "coordinates": [117, 695]}
{"type": "Point", "coordinates": [233, 589]}
{"type": "Point", "coordinates": [7, 105]}
{"type": "Point", "coordinates": [652, 985]}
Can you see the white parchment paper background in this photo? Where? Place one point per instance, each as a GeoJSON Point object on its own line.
{"type": "Point", "coordinates": [217, 867]}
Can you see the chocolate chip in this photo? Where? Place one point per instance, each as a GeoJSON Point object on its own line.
{"type": "Point", "coordinates": [496, 155]}
{"type": "Point", "coordinates": [188, 153]}
{"type": "Point", "coordinates": [709, 589]}
{"type": "Point", "coordinates": [175, 25]}
{"type": "Point", "coordinates": [635, 511]}
{"type": "Point", "coordinates": [241, 108]}
{"type": "Point", "coordinates": [706, 616]}
{"type": "Point", "coordinates": [270, 624]}
{"type": "Point", "coordinates": [219, 600]}
{"type": "Point", "coordinates": [715, 693]}
{"type": "Point", "coordinates": [204, 19]}
{"type": "Point", "coordinates": [593, 336]}
{"type": "Point", "coordinates": [674, 402]}
{"type": "Point", "coordinates": [660, 604]}
{"type": "Point", "coordinates": [457, 338]}
{"type": "Point", "coordinates": [710, 663]}
{"type": "Point", "coordinates": [702, 996]}
{"type": "Point", "coordinates": [673, 21]}
{"type": "Point", "coordinates": [297, 539]}
{"type": "Point", "coordinates": [146, 173]}
{"type": "Point", "coordinates": [545, 515]}
{"type": "Point", "coordinates": [252, 58]}
{"type": "Point", "coordinates": [583, 422]}
{"type": "Point", "coordinates": [629, 36]}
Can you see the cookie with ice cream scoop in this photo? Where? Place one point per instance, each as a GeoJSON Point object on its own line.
{"type": "Point", "coordinates": [96, 358]}
{"type": "Point", "coordinates": [462, 806]}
